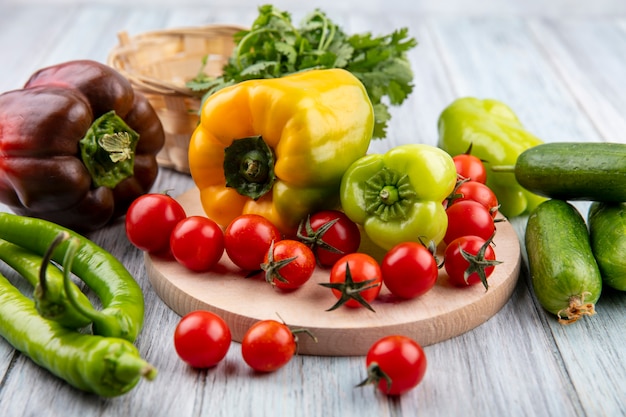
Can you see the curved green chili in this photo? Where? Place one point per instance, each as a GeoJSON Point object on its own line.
{"type": "Point", "coordinates": [49, 293]}
{"type": "Point", "coordinates": [121, 296]}
{"type": "Point", "coordinates": [105, 366]}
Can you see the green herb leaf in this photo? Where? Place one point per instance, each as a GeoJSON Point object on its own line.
{"type": "Point", "coordinates": [274, 47]}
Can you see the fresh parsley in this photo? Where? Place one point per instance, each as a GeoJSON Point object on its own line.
{"type": "Point", "coordinates": [274, 47]}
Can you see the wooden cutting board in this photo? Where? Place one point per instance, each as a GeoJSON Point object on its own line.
{"type": "Point", "coordinates": [442, 313]}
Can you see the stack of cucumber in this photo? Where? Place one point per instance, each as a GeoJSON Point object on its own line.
{"type": "Point", "coordinates": [570, 260]}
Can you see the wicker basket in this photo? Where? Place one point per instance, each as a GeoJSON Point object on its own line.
{"type": "Point", "coordinates": [159, 64]}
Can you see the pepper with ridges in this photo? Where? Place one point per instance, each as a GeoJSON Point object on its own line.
{"type": "Point", "coordinates": [77, 145]}
{"type": "Point", "coordinates": [497, 137]}
{"type": "Point", "coordinates": [397, 196]}
{"type": "Point", "coordinates": [279, 147]}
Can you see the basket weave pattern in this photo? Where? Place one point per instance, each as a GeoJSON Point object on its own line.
{"type": "Point", "coordinates": [159, 63]}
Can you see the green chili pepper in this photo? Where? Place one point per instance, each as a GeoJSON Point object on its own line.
{"type": "Point", "coordinates": [102, 365]}
{"type": "Point", "coordinates": [496, 136]}
{"type": "Point", "coordinates": [121, 296]}
{"type": "Point", "coordinates": [49, 292]}
{"type": "Point", "coordinates": [397, 196]}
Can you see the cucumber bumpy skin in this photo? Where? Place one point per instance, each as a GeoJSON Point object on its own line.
{"type": "Point", "coordinates": [607, 232]}
{"type": "Point", "coordinates": [564, 273]}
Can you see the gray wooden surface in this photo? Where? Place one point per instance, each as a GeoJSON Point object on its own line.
{"type": "Point", "coordinates": [560, 65]}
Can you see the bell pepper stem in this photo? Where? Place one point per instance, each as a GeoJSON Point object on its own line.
{"type": "Point", "coordinates": [249, 167]}
{"type": "Point", "coordinates": [108, 150]}
{"type": "Point", "coordinates": [389, 194]}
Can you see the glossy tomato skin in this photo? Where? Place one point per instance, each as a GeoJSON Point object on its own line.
{"type": "Point", "coordinates": [362, 268]}
{"type": "Point", "coordinates": [468, 218]}
{"type": "Point", "coordinates": [248, 238]}
{"type": "Point", "coordinates": [197, 242]}
{"type": "Point", "coordinates": [470, 167]}
{"type": "Point", "coordinates": [295, 273]}
{"type": "Point", "coordinates": [409, 270]}
{"type": "Point", "coordinates": [456, 265]}
{"type": "Point", "coordinates": [479, 192]}
{"type": "Point", "coordinates": [402, 359]}
{"type": "Point", "coordinates": [268, 345]}
{"type": "Point", "coordinates": [202, 339]}
{"type": "Point", "coordinates": [344, 235]}
{"type": "Point", "coordinates": [150, 220]}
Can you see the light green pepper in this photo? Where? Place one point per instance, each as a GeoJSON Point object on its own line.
{"type": "Point", "coordinates": [397, 196]}
{"type": "Point", "coordinates": [497, 137]}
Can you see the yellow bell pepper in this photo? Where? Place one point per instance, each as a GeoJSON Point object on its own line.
{"type": "Point", "coordinates": [279, 147]}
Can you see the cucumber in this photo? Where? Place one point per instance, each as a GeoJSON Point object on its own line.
{"type": "Point", "coordinates": [564, 274]}
{"type": "Point", "coordinates": [607, 234]}
{"type": "Point", "coordinates": [574, 171]}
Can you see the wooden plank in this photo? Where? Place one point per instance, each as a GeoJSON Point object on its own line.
{"type": "Point", "coordinates": [500, 59]}
{"type": "Point", "coordinates": [25, 36]}
{"type": "Point", "coordinates": [588, 55]}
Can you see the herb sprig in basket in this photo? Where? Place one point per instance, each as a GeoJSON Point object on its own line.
{"type": "Point", "coordinates": [274, 47]}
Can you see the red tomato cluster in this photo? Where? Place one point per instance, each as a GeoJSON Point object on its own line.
{"type": "Point", "coordinates": [395, 363]}
{"type": "Point", "coordinates": [202, 340]}
{"type": "Point", "coordinates": [157, 223]}
{"type": "Point", "coordinates": [329, 240]}
{"type": "Point", "coordinates": [472, 208]}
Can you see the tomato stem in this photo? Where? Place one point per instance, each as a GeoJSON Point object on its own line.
{"type": "Point", "coordinates": [374, 376]}
{"type": "Point", "coordinates": [478, 263]}
{"type": "Point", "coordinates": [272, 267]}
{"type": "Point", "coordinates": [351, 290]}
{"type": "Point", "coordinates": [314, 239]}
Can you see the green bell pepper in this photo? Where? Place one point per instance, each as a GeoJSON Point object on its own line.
{"type": "Point", "coordinates": [497, 137]}
{"type": "Point", "coordinates": [397, 196]}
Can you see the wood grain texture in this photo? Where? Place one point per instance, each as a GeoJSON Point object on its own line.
{"type": "Point", "coordinates": [560, 67]}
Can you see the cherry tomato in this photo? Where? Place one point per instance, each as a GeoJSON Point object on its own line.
{"type": "Point", "coordinates": [197, 242]}
{"type": "Point", "coordinates": [479, 192]}
{"type": "Point", "coordinates": [150, 220]}
{"type": "Point", "coordinates": [248, 238]}
{"type": "Point", "coordinates": [480, 265]}
{"type": "Point", "coordinates": [202, 339]}
{"type": "Point", "coordinates": [467, 218]}
{"type": "Point", "coordinates": [470, 167]}
{"type": "Point", "coordinates": [268, 345]}
{"type": "Point", "coordinates": [396, 364]}
{"type": "Point", "coordinates": [331, 235]}
{"type": "Point", "coordinates": [409, 270]}
{"type": "Point", "coordinates": [355, 280]}
{"type": "Point", "coordinates": [288, 264]}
